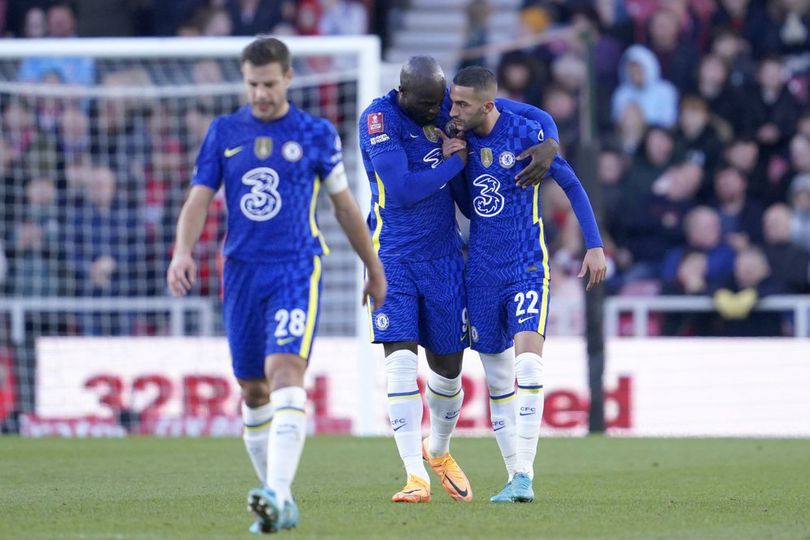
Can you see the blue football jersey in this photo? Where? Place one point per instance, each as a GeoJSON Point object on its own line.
{"type": "Point", "coordinates": [507, 242]}
{"type": "Point", "coordinates": [272, 173]}
{"type": "Point", "coordinates": [426, 230]}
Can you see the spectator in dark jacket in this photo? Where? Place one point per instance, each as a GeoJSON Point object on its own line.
{"type": "Point", "coordinates": [790, 263]}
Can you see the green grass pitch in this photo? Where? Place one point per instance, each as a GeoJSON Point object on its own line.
{"type": "Point", "coordinates": [595, 487]}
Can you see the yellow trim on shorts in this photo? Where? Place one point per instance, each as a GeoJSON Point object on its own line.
{"type": "Point", "coordinates": [312, 308]}
{"type": "Point", "coordinates": [541, 323]}
{"type": "Point", "coordinates": [313, 224]}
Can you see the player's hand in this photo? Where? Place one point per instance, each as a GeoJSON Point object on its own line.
{"type": "Point", "coordinates": [182, 274]}
{"type": "Point", "coordinates": [375, 288]}
{"type": "Point", "coordinates": [595, 265]}
{"type": "Point", "coordinates": [453, 145]}
{"type": "Point", "coordinates": [542, 157]}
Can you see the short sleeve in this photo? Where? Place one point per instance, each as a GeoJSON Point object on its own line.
{"type": "Point", "coordinates": [208, 169]}
{"type": "Point", "coordinates": [379, 132]}
{"type": "Point", "coordinates": [330, 150]}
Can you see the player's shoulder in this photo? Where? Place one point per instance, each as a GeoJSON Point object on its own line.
{"type": "Point", "coordinates": [523, 130]}
{"type": "Point", "coordinates": [314, 123]}
{"type": "Point", "coordinates": [381, 115]}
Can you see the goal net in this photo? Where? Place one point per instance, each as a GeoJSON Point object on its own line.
{"type": "Point", "coordinates": [97, 143]}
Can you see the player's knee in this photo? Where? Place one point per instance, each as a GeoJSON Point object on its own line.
{"type": "Point", "coordinates": [255, 393]}
{"type": "Point", "coordinates": [285, 370]}
{"type": "Point", "coordinates": [500, 372]}
{"type": "Point", "coordinates": [446, 365]}
{"type": "Point", "coordinates": [401, 366]}
{"type": "Point", "coordinates": [529, 369]}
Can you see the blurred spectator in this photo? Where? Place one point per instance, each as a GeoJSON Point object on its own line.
{"type": "Point", "coordinates": [745, 17]}
{"type": "Point", "coordinates": [641, 83]}
{"type": "Point", "coordinates": [751, 281]}
{"type": "Point", "coordinates": [631, 128]}
{"type": "Point", "coordinates": [36, 23]}
{"type": "Point", "coordinates": [703, 235]}
{"type": "Point", "coordinates": [736, 53]}
{"type": "Point", "coordinates": [713, 86]}
{"type": "Point", "coordinates": [653, 228]}
{"type": "Point", "coordinates": [217, 23]}
{"type": "Point", "coordinates": [691, 276]}
{"type": "Point", "coordinates": [74, 133]}
{"type": "Point", "coordinates": [69, 69]}
{"type": "Point", "coordinates": [740, 217]}
{"type": "Point", "coordinates": [698, 138]}
{"type": "Point", "coordinates": [800, 202]}
{"type": "Point", "coordinates": [307, 17]}
{"type": "Point", "coordinates": [803, 124]}
{"type": "Point", "coordinates": [37, 247]}
{"type": "Point", "coordinates": [252, 17]}
{"type": "Point", "coordinates": [520, 77]}
{"type": "Point", "coordinates": [743, 154]}
{"type": "Point", "coordinates": [562, 106]}
{"type": "Point", "coordinates": [650, 162]}
{"type": "Point", "coordinates": [477, 33]}
{"type": "Point", "coordinates": [789, 28]}
{"type": "Point", "coordinates": [104, 18]}
{"type": "Point", "coordinates": [610, 171]}
{"type": "Point", "coordinates": [103, 239]}
{"type": "Point", "coordinates": [343, 18]}
{"type": "Point", "coordinates": [770, 109]}
{"type": "Point", "coordinates": [676, 55]}
{"type": "Point", "coordinates": [790, 263]}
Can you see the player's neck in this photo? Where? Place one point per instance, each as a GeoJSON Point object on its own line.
{"type": "Point", "coordinates": [283, 110]}
{"type": "Point", "coordinates": [490, 119]}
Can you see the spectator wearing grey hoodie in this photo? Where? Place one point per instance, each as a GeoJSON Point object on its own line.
{"type": "Point", "coordinates": [641, 83]}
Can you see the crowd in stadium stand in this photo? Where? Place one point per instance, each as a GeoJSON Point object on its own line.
{"type": "Point", "coordinates": [704, 124]}
{"type": "Point", "coordinates": [703, 118]}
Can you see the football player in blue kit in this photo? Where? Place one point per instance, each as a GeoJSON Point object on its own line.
{"type": "Point", "coordinates": [272, 159]}
{"type": "Point", "coordinates": [508, 267]}
{"type": "Point", "coordinates": [416, 236]}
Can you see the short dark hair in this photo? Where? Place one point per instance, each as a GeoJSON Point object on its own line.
{"type": "Point", "coordinates": [266, 50]}
{"type": "Point", "coordinates": [476, 77]}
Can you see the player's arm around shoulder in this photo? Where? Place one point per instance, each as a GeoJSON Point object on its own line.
{"type": "Point", "coordinates": [182, 272]}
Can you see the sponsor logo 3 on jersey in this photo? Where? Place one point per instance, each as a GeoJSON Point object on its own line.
{"type": "Point", "coordinates": [488, 202]}
{"type": "Point", "coordinates": [381, 321]}
{"type": "Point", "coordinates": [506, 160]}
{"type": "Point", "coordinates": [263, 147]}
{"type": "Point", "coordinates": [292, 151]}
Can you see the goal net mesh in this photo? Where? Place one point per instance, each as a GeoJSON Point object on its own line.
{"type": "Point", "coordinates": [96, 154]}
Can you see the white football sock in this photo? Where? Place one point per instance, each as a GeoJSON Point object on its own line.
{"type": "Point", "coordinates": [287, 434]}
{"type": "Point", "coordinates": [444, 397]}
{"type": "Point", "coordinates": [405, 410]}
{"type": "Point", "coordinates": [500, 375]}
{"type": "Point", "coordinates": [255, 434]}
{"type": "Point", "coordinates": [529, 371]}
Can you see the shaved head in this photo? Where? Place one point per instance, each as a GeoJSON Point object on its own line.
{"type": "Point", "coordinates": [422, 86]}
{"type": "Point", "coordinates": [421, 71]}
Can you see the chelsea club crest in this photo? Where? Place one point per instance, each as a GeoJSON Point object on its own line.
{"type": "Point", "coordinates": [381, 321]}
{"type": "Point", "coordinates": [292, 151]}
{"type": "Point", "coordinates": [506, 160]}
